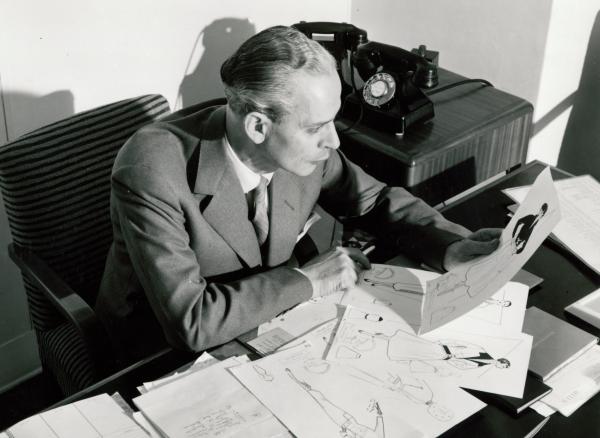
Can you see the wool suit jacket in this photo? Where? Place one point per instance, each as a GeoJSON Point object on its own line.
{"type": "Point", "coordinates": [185, 265]}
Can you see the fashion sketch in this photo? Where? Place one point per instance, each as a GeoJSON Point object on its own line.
{"type": "Point", "coordinates": [462, 355]}
{"type": "Point", "coordinates": [524, 227]}
{"type": "Point", "coordinates": [416, 390]}
{"type": "Point", "coordinates": [349, 426]}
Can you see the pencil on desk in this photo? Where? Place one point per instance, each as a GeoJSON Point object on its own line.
{"type": "Point", "coordinates": [368, 250]}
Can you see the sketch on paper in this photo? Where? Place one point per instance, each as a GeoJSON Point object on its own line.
{"type": "Point", "coordinates": [462, 355]}
{"type": "Point", "coordinates": [465, 287]}
{"type": "Point", "coordinates": [416, 390]}
{"type": "Point", "coordinates": [342, 400]}
{"type": "Point", "coordinates": [427, 300]}
{"type": "Point", "coordinates": [398, 289]}
{"type": "Point", "coordinates": [264, 374]}
{"type": "Point", "coordinates": [349, 426]}
{"type": "Point", "coordinates": [488, 362]}
{"type": "Point", "coordinates": [502, 312]}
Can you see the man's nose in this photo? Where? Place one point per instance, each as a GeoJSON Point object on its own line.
{"type": "Point", "coordinates": [331, 141]}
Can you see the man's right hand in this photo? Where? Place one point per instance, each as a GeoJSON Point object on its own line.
{"type": "Point", "coordinates": [335, 270]}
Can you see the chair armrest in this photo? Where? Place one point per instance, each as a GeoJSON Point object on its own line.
{"type": "Point", "coordinates": [67, 302]}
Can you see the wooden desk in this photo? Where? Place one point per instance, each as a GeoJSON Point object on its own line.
{"type": "Point", "coordinates": [565, 280]}
{"type": "Point", "coordinates": [477, 132]}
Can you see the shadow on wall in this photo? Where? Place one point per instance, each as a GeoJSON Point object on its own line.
{"type": "Point", "coordinates": [220, 39]}
{"type": "Point", "coordinates": [26, 112]}
{"type": "Point", "coordinates": [580, 149]}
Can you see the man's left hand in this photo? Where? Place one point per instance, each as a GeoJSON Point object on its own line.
{"type": "Point", "coordinates": [481, 242]}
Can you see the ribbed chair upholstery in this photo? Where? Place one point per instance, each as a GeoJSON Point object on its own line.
{"type": "Point", "coordinates": [56, 187]}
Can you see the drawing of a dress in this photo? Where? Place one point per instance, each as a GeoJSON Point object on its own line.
{"type": "Point", "coordinates": [404, 346]}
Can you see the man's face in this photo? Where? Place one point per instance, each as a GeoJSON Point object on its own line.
{"type": "Point", "coordinates": [306, 136]}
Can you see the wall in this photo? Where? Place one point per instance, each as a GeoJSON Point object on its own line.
{"type": "Point", "coordinates": [534, 50]}
{"type": "Point", "coordinates": [66, 56]}
{"type": "Point", "coordinates": [580, 148]}
{"type": "Point", "coordinates": [569, 46]}
{"type": "Point", "coordinates": [501, 41]}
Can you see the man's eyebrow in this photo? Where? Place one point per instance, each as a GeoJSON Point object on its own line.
{"type": "Point", "coordinates": [318, 124]}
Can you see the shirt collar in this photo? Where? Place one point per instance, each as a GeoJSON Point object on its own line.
{"type": "Point", "coordinates": [249, 179]}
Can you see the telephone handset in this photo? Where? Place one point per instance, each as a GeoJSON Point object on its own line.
{"type": "Point", "coordinates": [340, 39]}
{"type": "Point", "coordinates": [391, 97]}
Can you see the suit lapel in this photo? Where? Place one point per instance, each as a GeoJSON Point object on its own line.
{"type": "Point", "coordinates": [283, 217]}
{"type": "Point", "coordinates": [227, 211]}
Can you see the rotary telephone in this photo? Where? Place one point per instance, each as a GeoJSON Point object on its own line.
{"type": "Point", "coordinates": [391, 96]}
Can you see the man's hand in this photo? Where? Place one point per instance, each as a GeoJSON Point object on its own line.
{"type": "Point", "coordinates": [335, 270]}
{"type": "Point", "coordinates": [481, 242]}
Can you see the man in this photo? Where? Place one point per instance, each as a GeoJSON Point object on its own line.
{"type": "Point", "coordinates": [201, 254]}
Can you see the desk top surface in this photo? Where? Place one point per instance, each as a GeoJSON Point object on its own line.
{"type": "Point", "coordinates": [565, 280]}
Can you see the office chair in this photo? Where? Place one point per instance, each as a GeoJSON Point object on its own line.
{"type": "Point", "coordinates": [56, 187]}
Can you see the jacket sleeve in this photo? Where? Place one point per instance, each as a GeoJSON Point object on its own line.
{"type": "Point", "coordinates": [390, 213]}
{"type": "Point", "coordinates": [193, 313]}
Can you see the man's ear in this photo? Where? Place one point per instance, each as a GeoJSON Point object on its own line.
{"type": "Point", "coordinates": [257, 126]}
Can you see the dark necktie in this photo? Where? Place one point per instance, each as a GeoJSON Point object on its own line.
{"type": "Point", "coordinates": [261, 217]}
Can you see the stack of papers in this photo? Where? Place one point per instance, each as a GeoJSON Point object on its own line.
{"type": "Point", "coordinates": [207, 402]}
{"type": "Point", "coordinates": [99, 416]}
{"type": "Point", "coordinates": [407, 342]}
{"type": "Point", "coordinates": [579, 229]}
{"type": "Point", "coordinates": [388, 358]}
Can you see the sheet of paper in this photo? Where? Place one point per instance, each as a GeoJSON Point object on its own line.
{"type": "Point", "coordinates": [208, 403]}
{"type": "Point", "coordinates": [94, 417]}
{"type": "Point", "coordinates": [397, 288]}
{"type": "Point", "coordinates": [493, 363]}
{"type": "Point", "coordinates": [576, 383]}
{"type": "Point", "coordinates": [204, 361]}
{"type": "Point", "coordinates": [542, 408]}
{"type": "Point", "coordinates": [465, 287]}
{"type": "Point", "coordinates": [306, 316]}
{"type": "Point", "coordinates": [318, 341]}
{"type": "Point", "coordinates": [503, 312]}
{"type": "Point", "coordinates": [270, 341]}
{"type": "Point", "coordinates": [401, 290]}
{"type": "Point", "coordinates": [145, 424]}
{"type": "Point", "coordinates": [316, 397]}
{"type": "Point", "coordinates": [579, 228]}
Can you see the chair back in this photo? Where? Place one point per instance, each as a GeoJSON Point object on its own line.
{"type": "Point", "coordinates": [56, 187]}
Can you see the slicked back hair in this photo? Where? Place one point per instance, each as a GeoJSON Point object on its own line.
{"type": "Point", "coordinates": [258, 76]}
